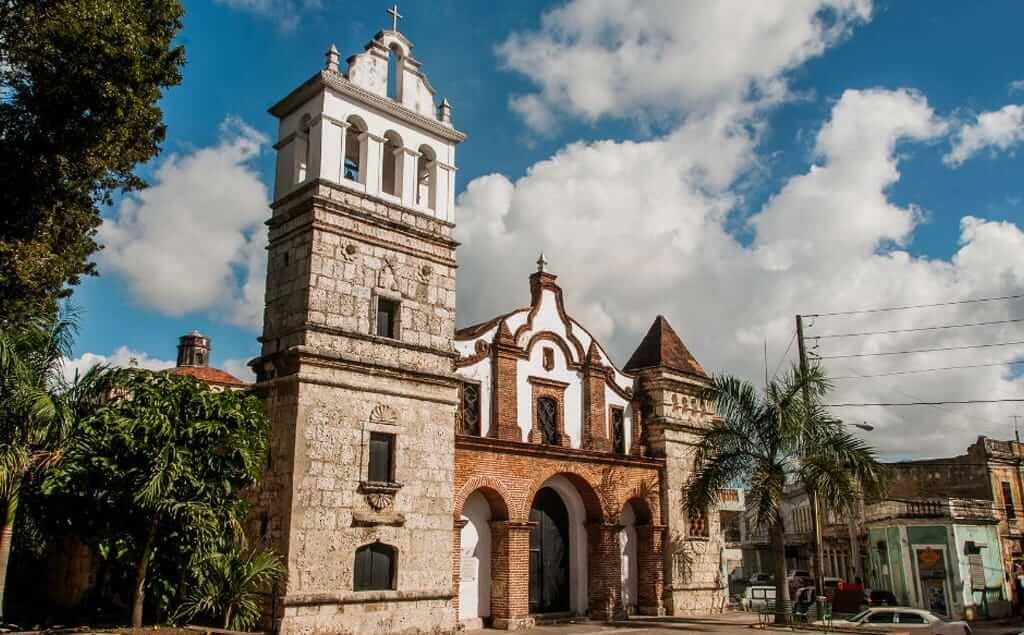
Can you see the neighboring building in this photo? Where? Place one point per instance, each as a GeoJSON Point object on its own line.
{"type": "Point", "coordinates": [940, 554]}
{"type": "Point", "coordinates": [423, 480]}
{"type": "Point", "coordinates": [731, 508]}
{"type": "Point", "coordinates": [842, 555]}
{"type": "Point", "coordinates": [194, 361]}
{"type": "Point", "coordinates": [989, 470]}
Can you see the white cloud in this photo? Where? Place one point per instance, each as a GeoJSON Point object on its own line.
{"type": "Point", "coordinates": [1000, 129]}
{"type": "Point", "coordinates": [194, 240]}
{"type": "Point", "coordinates": [604, 58]}
{"type": "Point", "coordinates": [240, 368]}
{"type": "Point", "coordinates": [123, 357]}
{"type": "Point", "coordinates": [1016, 86]}
{"type": "Point", "coordinates": [287, 14]}
{"type": "Point", "coordinates": [638, 229]}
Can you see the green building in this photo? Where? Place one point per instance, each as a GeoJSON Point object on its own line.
{"type": "Point", "coordinates": [941, 554]}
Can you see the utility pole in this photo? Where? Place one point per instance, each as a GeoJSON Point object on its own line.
{"type": "Point", "coordinates": [819, 553]}
{"type": "Point", "coordinates": [1016, 430]}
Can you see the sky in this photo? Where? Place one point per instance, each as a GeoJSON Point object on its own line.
{"type": "Point", "coordinates": [727, 164]}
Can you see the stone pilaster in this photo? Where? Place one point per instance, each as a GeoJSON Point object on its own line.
{"type": "Point", "coordinates": [504, 423]}
{"type": "Point", "coordinates": [595, 426]}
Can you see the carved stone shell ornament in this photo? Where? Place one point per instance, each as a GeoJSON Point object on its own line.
{"type": "Point", "coordinates": [380, 501]}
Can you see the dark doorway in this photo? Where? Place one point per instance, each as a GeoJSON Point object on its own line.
{"type": "Point", "coordinates": [549, 553]}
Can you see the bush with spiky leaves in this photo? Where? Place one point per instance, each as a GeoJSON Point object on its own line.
{"type": "Point", "coordinates": [229, 585]}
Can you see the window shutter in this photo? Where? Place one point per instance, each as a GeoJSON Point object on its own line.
{"type": "Point", "coordinates": [363, 565]}
{"type": "Point", "coordinates": [382, 559]}
{"type": "Point", "coordinates": [379, 469]}
{"type": "Point", "coordinates": [977, 571]}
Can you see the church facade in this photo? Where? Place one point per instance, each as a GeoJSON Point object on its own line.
{"type": "Point", "coordinates": [427, 479]}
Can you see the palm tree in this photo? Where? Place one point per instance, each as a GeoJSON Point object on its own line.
{"type": "Point", "coordinates": [765, 441]}
{"type": "Point", "coordinates": [230, 586]}
{"type": "Point", "coordinates": [38, 406]}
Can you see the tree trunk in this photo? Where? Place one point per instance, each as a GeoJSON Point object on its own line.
{"type": "Point", "coordinates": [139, 592]}
{"type": "Point", "coordinates": [778, 531]}
{"type": "Point", "coordinates": [227, 617]}
{"type": "Point", "coordinates": [6, 538]}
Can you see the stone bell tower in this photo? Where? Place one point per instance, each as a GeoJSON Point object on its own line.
{"type": "Point", "coordinates": [671, 383]}
{"type": "Point", "coordinates": [357, 353]}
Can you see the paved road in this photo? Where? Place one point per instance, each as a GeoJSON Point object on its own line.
{"type": "Point", "coordinates": [731, 623]}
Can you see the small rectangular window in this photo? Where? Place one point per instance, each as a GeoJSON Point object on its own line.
{"type": "Point", "coordinates": [471, 409]}
{"type": "Point", "coordinates": [618, 431]}
{"type": "Point", "coordinates": [387, 318]}
{"type": "Point", "coordinates": [698, 525]}
{"type": "Point", "coordinates": [382, 453]}
{"type": "Point", "coordinates": [1011, 513]}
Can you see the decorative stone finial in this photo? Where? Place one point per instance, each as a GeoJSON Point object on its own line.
{"type": "Point", "coordinates": [332, 59]}
{"type": "Point", "coordinates": [444, 112]}
{"type": "Point", "coordinates": [395, 16]}
{"type": "Point", "coordinates": [542, 263]}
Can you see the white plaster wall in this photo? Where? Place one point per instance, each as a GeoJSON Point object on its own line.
{"type": "Point", "coordinates": [578, 581]}
{"type": "Point", "coordinates": [547, 319]}
{"type": "Point", "coordinates": [573, 400]}
{"type": "Point", "coordinates": [466, 348]}
{"type": "Point", "coordinates": [482, 372]}
{"type": "Point", "coordinates": [517, 319]}
{"type": "Point", "coordinates": [630, 571]}
{"type": "Point", "coordinates": [475, 582]}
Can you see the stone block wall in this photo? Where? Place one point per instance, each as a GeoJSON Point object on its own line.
{"type": "Point", "coordinates": [329, 381]}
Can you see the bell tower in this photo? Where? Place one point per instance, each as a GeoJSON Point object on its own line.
{"type": "Point", "coordinates": [357, 348]}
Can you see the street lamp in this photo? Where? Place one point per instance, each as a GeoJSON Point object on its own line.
{"type": "Point", "coordinates": [866, 427]}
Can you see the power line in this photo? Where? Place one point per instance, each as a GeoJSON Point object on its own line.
{"type": "Point", "coordinates": [940, 408]}
{"type": "Point", "coordinates": [913, 330]}
{"type": "Point", "coordinates": [917, 306]}
{"type": "Point", "coordinates": [929, 370]}
{"type": "Point", "coordinates": [783, 358]}
{"type": "Point", "coordinates": [922, 350]}
{"type": "Point", "coordinates": [923, 403]}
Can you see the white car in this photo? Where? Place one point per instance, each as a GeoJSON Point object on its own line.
{"type": "Point", "coordinates": [901, 618]}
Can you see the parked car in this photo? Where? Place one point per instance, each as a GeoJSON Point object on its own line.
{"type": "Point", "coordinates": [798, 578]}
{"type": "Point", "coordinates": [760, 579]}
{"type": "Point", "coordinates": [756, 598]}
{"type": "Point", "coordinates": [902, 618]}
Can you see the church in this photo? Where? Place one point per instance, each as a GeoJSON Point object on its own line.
{"type": "Point", "coordinates": [428, 479]}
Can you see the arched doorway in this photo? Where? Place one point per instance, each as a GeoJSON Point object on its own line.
{"type": "Point", "coordinates": [475, 560]}
{"type": "Point", "coordinates": [549, 553]}
{"type": "Point", "coordinates": [629, 554]}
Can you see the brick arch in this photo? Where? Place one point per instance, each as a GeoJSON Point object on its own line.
{"type": "Point", "coordinates": [644, 500]}
{"type": "Point", "coordinates": [557, 340]}
{"type": "Point", "coordinates": [492, 490]}
{"type": "Point", "coordinates": [582, 479]}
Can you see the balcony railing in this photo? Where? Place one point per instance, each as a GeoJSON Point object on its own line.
{"type": "Point", "coordinates": [951, 508]}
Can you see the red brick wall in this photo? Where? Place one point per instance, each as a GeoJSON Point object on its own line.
{"type": "Point", "coordinates": [509, 475]}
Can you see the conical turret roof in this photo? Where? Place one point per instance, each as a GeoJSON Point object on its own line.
{"type": "Point", "coordinates": [662, 347]}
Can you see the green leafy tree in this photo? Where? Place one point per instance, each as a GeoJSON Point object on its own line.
{"type": "Point", "coordinates": [229, 586]}
{"type": "Point", "coordinates": [168, 457]}
{"type": "Point", "coordinates": [766, 440]}
{"type": "Point", "coordinates": [79, 85]}
{"type": "Point", "coordinates": [38, 407]}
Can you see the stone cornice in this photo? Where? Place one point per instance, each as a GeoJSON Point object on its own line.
{"type": "Point", "coordinates": [561, 453]}
{"type": "Point", "coordinates": [337, 82]}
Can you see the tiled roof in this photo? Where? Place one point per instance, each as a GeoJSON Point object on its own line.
{"type": "Point", "coordinates": [209, 375]}
{"type": "Point", "coordinates": [662, 347]}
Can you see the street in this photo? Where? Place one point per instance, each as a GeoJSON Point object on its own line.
{"type": "Point", "coordinates": [729, 623]}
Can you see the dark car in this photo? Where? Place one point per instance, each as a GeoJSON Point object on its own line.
{"type": "Point", "coordinates": [881, 598]}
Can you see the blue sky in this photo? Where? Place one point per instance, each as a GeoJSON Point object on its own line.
{"type": "Point", "coordinates": [740, 119]}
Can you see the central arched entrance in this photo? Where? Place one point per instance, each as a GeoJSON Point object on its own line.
{"type": "Point", "coordinates": [549, 553]}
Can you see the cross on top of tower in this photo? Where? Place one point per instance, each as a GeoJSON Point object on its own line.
{"type": "Point", "coordinates": [395, 16]}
